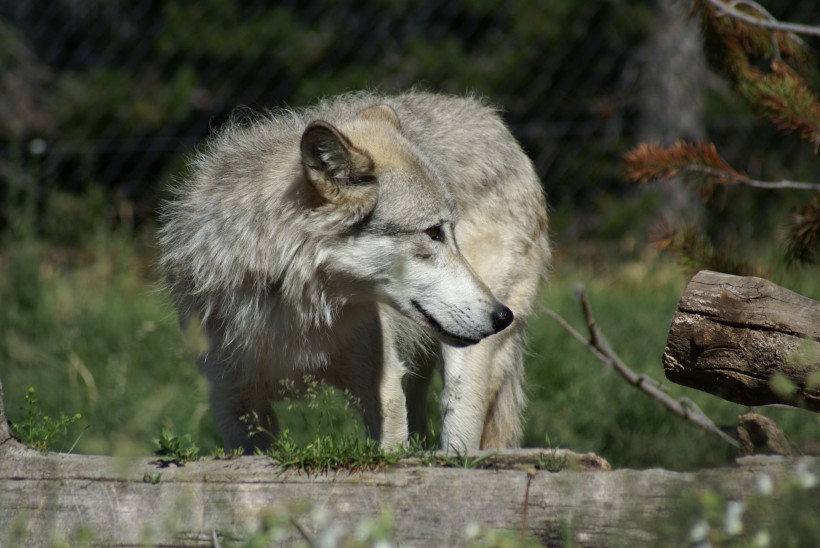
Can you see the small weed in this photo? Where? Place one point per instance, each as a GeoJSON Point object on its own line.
{"type": "Point", "coordinates": [317, 405]}
{"type": "Point", "coordinates": [417, 447]}
{"type": "Point", "coordinates": [549, 460]}
{"type": "Point", "coordinates": [220, 454]}
{"type": "Point", "coordinates": [175, 449]}
{"type": "Point", "coordinates": [39, 431]}
{"type": "Point", "coordinates": [255, 430]}
{"type": "Point", "coordinates": [153, 479]}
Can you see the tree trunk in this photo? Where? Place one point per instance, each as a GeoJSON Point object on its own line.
{"type": "Point", "coordinates": [746, 340]}
{"type": "Point", "coordinates": [671, 76]}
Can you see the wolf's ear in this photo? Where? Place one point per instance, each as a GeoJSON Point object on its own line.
{"type": "Point", "coordinates": [337, 170]}
{"type": "Point", "coordinates": [383, 113]}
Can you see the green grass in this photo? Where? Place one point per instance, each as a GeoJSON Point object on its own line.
{"type": "Point", "coordinates": [87, 328]}
{"type": "Point", "coordinates": [84, 323]}
{"type": "Point", "coordinates": [588, 407]}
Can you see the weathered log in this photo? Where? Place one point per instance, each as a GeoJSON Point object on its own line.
{"type": "Point", "coordinates": [112, 502]}
{"type": "Point", "coordinates": [94, 500]}
{"type": "Point", "coordinates": [746, 340]}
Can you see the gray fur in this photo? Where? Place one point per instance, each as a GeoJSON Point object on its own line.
{"type": "Point", "coordinates": [298, 240]}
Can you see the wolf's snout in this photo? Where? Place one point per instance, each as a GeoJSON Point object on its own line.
{"type": "Point", "coordinates": [502, 317]}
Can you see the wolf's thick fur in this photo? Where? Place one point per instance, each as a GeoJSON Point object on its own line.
{"type": "Point", "coordinates": [358, 240]}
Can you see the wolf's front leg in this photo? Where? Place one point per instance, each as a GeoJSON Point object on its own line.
{"type": "Point", "coordinates": [383, 406]}
{"type": "Point", "coordinates": [394, 430]}
{"type": "Point", "coordinates": [392, 404]}
{"type": "Point", "coordinates": [463, 400]}
{"type": "Point", "coordinates": [483, 394]}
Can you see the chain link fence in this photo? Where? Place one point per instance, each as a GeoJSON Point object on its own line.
{"type": "Point", "coordinates": [117, 92]}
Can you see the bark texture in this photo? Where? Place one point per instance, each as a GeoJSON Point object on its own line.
{"type": "Point", "coordinates": [114, 502]}
{"type": "Point", "coordinates": [746, 340]}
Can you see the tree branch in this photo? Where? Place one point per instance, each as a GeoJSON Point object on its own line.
{"type": "Point", "coordinates": [599, 346]}
{"type": "Point", "coordinates": [730, 8]}
{"type": "Point", "coordinates": [720, 176]}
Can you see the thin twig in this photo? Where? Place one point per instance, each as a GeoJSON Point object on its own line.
{"type": "Point", "coordinates": [767, 21]}
{"type": "Point", "coordinates": [599, 346]}
{"type": "Point", "coordinates": [721, 177]}
{"type": "Point", "coordinates": [571, 330]}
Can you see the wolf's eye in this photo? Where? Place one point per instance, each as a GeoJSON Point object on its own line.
{"type": "Point", "coordinates": [435, 233]}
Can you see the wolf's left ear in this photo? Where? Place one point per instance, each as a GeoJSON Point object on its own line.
{"type": "Point", "coordinates": [341, 173]}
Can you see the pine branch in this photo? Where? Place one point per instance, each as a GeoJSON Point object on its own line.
{"type": "Point", "coordinates": [653, 162]}
{"type": "Point", "coordinates": [763, 19]}
{"type": "Point", "coordinates": [599, 346]}
{"type": "Point", "coordinates": [738, 48]}
{"type": "Point", "coordinates": [785, 98]}
{"type": "Point", "coordinates": [767, 63]}
{"type": "Point", "coordinates": [719, 176]}
{"type": "Point", "coordinates": [650, 162]}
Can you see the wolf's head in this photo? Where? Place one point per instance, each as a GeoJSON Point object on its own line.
{"type": "Point", "coordinates": [394, 237]}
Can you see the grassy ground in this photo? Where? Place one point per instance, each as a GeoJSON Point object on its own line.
{"type": "Point", "coordinates": [87, 327]}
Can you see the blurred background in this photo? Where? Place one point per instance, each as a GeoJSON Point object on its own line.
{"type": "Point", "coordinates": [101, 101]}
{"type": "Point", "coordinates": [116, 93]}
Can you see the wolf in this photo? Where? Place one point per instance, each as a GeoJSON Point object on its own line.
{"type": "Point", "coordinates": [366, 241]}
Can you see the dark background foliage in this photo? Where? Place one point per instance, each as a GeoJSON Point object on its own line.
{"type": "Point", "coordinates": [115, 93]}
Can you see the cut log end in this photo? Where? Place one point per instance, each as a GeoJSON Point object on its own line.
{"type": "Point", "coordinates": [746, 340]}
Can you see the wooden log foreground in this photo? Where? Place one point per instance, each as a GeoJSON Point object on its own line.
{"type": "Point", "coordinates": [95, 500]}
{"type": "Point", "coordinates": [130, 502]}
{"type": "Point", "coordinates": [746, 340]}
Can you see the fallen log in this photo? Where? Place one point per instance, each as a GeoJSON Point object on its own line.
{"type": "Point", "coordinates": [106, 501]}
{"type": "Point", "coordinates": [554, 497]}
{"type": "Point", "coordinates": [746, 340]}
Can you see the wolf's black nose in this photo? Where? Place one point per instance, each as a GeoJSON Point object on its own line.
{"type": "Point", "coordinates": [502, 317]}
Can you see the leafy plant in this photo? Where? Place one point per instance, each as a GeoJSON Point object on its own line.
{"type": "Point", "coordinates": [38, 430]}
{"type": "Point", "coordinates": [175, 449]}
{"type": "Point", "coordinates": [550, 460]}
